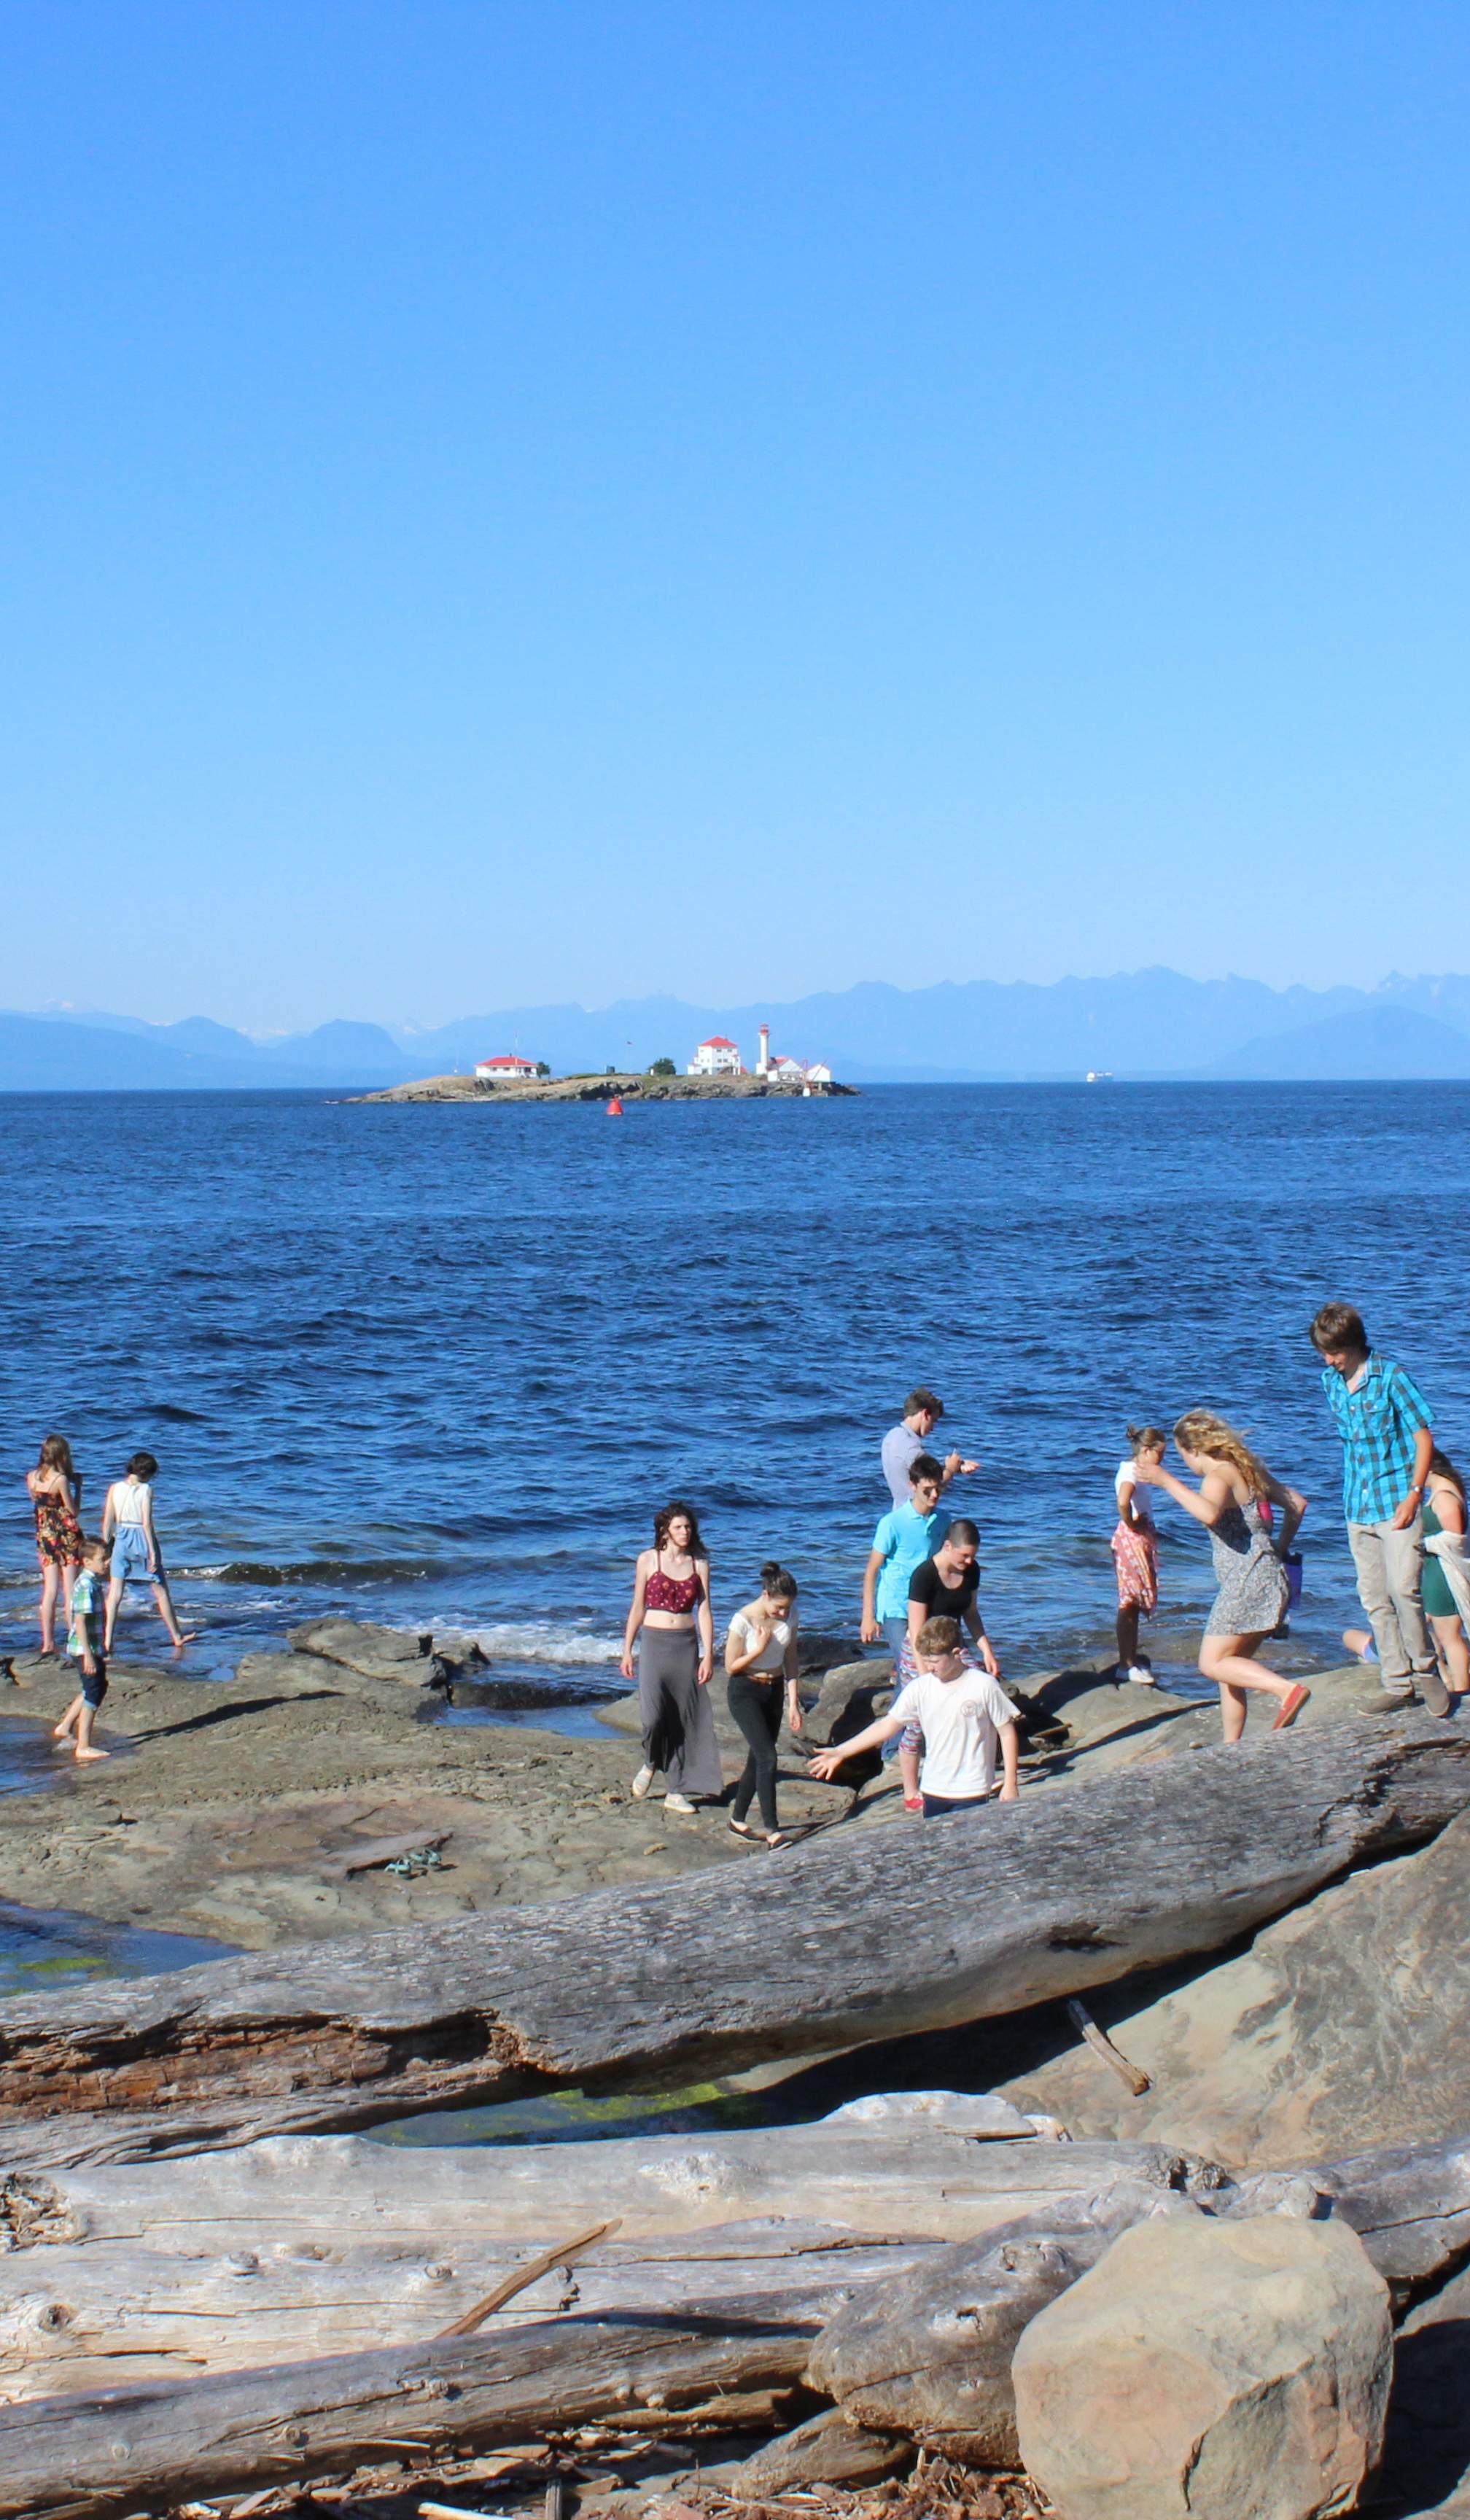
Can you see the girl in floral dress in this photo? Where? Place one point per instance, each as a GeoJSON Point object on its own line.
{"type": "Point", "coordinates": [1136, 1552]}
{"type": "Point", "coordinates": [56, 1493]}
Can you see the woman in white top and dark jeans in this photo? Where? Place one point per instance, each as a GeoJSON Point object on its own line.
{"type": "Point", "coordinates": [760, 1656]}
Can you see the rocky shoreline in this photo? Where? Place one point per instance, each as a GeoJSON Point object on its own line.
{"type": "Point", "coordinates": [1300, 2079]}
{"type": "Point", "coordinates": [629, 1086]}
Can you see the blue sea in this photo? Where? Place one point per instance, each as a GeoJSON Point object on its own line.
{"type": "Point", "coordinates": [438, 1365]}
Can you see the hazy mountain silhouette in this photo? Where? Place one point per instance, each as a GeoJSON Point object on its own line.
{"type": "Point", "coordinates": [1139, 1023]}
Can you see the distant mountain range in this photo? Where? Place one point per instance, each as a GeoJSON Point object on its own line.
{"type": "Point", "coordinates": [1137, 1024]}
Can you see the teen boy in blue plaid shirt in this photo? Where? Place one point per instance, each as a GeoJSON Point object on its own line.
{"type": "Point", "coordinates": [1388, 1437]}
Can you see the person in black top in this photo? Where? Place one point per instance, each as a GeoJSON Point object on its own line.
{"type": "Point", "coordinates": [944, 1587]}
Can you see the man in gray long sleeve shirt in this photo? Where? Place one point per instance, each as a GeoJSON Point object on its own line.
{"type": "Point", "coordinates": [910, 1437]}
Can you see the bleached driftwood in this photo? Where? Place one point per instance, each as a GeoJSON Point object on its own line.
{"type": "Point", "coordinates": [83, 2455]}
{"type": "Point", "coordinates": [303, 2246]}
{"type": "Point", "coordinates": [1001, 1908]}
{"type": "Point", "coordinates": [922, 2347]}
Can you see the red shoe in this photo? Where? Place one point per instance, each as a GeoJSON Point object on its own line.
{"type": "Point", "coordinates": [1290, 1707]}
{"type": "Point", "coordinates": [914, 1802]}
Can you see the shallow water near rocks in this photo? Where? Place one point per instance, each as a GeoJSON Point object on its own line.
{"type": "Point", "coordinates": [40, 1947]}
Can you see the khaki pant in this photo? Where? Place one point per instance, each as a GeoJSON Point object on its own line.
{"type": "Point", "coordinates": [1390, 1565]}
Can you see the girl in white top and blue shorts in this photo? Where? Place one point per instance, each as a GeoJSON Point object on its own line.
{"type": "Point", "coordinates": [127, 1520]}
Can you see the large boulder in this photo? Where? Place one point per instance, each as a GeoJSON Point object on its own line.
{"type": "Point", "coordinates": [1346, 2024]}
{"type": "Point", "coordinates": [1210, 2370]}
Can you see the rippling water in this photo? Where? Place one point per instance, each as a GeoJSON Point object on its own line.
{"type": "Point", "coordinates": [437, 1365]}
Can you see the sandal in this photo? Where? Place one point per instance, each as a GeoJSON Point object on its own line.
{"type": "Point", "coordinates": [737, 1828]}
{"type": "Point", "coordinates": [1291, 1707]}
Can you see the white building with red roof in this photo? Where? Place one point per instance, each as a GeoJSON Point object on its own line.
{"type": "Point", "coordinates": [507, 1069]}
{"type": "Point", "coordinates": [717, 1056]}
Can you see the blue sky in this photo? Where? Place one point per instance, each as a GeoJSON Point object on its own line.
{"type": "Point", "coordinates": [502, 502]}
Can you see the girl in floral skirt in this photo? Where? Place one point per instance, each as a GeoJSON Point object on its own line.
{"type": "Point", "coordinates": [1136, 1552]}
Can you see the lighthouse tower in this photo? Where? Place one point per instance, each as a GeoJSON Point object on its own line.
{"type": "Point", "coordinates": [762, 1063]}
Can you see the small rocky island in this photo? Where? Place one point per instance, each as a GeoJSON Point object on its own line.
{"type": "Point", "coordinates": [629, 1086]}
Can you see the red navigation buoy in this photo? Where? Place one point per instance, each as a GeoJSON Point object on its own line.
{"type": "Point", "coordinates": [616, 1108]}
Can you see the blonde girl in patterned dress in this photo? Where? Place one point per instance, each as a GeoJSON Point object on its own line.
{"type": "Point", "coordinates": [1136, 1552]}
{"type": "Point", "coordinates": [1236, 1489]}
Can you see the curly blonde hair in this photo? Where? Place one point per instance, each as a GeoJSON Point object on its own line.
{"type": "Point", "coordinates": [1199, 1430]}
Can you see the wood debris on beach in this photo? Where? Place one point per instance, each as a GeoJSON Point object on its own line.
{"type": "Point", "coordinates": [217, 2297]}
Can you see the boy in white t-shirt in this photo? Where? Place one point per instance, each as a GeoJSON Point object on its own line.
{"type": "Point", "coordinates": [967, 1721]}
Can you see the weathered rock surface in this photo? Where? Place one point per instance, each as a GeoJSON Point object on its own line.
{"type": "Point", "coordinates": [378, 1652]}
{"type": "Point", "coordinates": [1345, 2023]}
{"type": "Point", "coordinates": [1219, 2370]}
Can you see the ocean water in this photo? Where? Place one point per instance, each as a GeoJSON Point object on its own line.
{"type": "Point", "coordinates": [439, 1365]}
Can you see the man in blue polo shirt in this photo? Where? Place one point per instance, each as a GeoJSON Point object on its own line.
{"type": "Point", "coordinates": [1388, 1437]}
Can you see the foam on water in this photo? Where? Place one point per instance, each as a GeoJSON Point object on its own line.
{"type": "Point", "coordinates": [537, 1641]}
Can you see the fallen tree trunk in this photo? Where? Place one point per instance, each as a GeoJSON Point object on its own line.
{"type": "Point", "coordinates": [1001, 1907]}
{"type": "Point", "coordinates": [317, 2244]}
{"type": "Point", "coordinates": [82, 2456]}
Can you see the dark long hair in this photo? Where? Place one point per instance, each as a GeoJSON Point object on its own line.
{"type": "Point", "coordinates": [676, 1511]}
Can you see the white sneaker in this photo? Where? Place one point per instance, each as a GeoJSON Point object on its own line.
{"type": "Point", "coordinates": [640, 1784]}
{"type": "Point", "coordinates": [1141, 1673]}
{"type": "Point", "coordinates": [677, 1803]}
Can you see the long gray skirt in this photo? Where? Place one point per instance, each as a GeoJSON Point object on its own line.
{"type": "Point", "coordinates": [679, 1724]}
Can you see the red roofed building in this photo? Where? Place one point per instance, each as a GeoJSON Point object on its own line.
{"type": "Point", "coordinates": [717, 1056]}
{"type": "Point", "coordinates": [503, 1071]}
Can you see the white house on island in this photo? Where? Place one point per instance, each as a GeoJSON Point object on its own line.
{"type": "Point", "coordinates": [721, 1058]}
{"type": "Point", "coordinates": [716, 1057]}
{"type": "Point", "coordinates": [504, 1071]}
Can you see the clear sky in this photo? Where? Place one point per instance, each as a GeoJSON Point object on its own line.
{"type": "Point", "coordinates": [513, 501]}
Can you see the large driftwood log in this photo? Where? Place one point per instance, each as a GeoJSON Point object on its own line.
{"type": "Point", "coordinates": [924, 2350]}
{"type": "Point", "coordinates": [315, 2245]}
{"type": "Point", "coordinates": [82, 2456]}
{"type": "Point", "coordinates": [1001, 1908]}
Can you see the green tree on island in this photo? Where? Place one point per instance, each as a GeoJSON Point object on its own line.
{"type": "Point", "coordinates": [663, 1068]}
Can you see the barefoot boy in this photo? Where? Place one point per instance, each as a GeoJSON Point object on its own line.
{"type": "Point", "coordinates": [84, 1646]}
{"type": "Point", "coordinates": [966, 1719]}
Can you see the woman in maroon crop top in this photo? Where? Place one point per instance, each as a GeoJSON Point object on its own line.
{"type": "Point", "coordinates": [673, 1627]}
